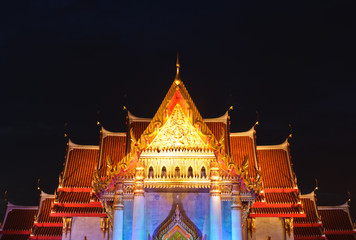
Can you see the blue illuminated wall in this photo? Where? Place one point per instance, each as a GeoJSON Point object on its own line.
{"type": "Point", "coordinates": [128, 213]}
{"type": "Point", "coordinates": [159, 204]}
{"type": "Point", "coordinates": [226, 219]}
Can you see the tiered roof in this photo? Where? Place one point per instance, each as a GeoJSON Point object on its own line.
{"type": "Point", "coordinates": [280, 196]}
{"type": "Point", "coordinates": [337, 222]}
{"type": "Point", "coordinates": [311, 226]}
{"type": "Point", "coordinates": [18, 222]}
{"type": "Point", "coordinates": [113, 147]}
{"type": "Point", "coordinates": [241, 145]}
{"type": "Point", "coordinates": [75, 196]}
{"type": "Point", "coordinates": [46, 226]}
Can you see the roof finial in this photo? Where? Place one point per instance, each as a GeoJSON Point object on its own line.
{"type": "Point", "coordinates": [38, 185]}
{"type": "Point", "coordinates": [177, 78]}
{"type": "Point", "coordinates": [290, 131]}
{"type": "Point", "coordinates": [316, 185]}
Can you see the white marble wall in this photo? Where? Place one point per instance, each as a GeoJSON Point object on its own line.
{"type": "Point", "coordinates": [269, 227]}
{"type": "Point", "coordinates": [86, 227]}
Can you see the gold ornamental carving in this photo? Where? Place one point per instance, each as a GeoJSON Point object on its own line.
{"type": "Point", "coordinates": [67, 225]}
{"type": "Point", "coordinates": [177, 133]}
{"type": "Point", "coordinates": [251, 226]}
{"type": "Point", "coordinates": [288, 223]}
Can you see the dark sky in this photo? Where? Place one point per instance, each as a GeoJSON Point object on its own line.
{"type": "Point", "coordinates": [66, 60]}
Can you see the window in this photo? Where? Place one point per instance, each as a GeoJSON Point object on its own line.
{"type": "Point", "coordinates": [150, 172]}
{"type": "Point", "coordinates": [164, 172]}
{"type": "Point", "coordinates": [190, 172]}
{"type": "Point", "coordinates": [177, 172]}
{"type": "Point", "coordinates": [203, 173]}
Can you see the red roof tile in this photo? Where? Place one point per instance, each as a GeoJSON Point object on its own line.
{"type": "Point", "coordinates": [335, 220]}
{"type": "Point", "coordinates": [74, 197]}
{"type": "Point", "coordinates": [44, 214]}
{"type": "Point", "coordinates": [48, 231]}
{"type": "Point", "coordinates": [275, 170]}
{"type": "Point", "coordinates": [309, 226]}
{"type": "Point", "coordinates": [310, 211]}
{"type": "Point", "coordinates": [302, 232]}
{"type": "Point", "coordinates": [15, 237]}
{"type": "Point", "coordinates": [138, 128]}
{"type": "Point", "coordinates": [281, 198]}
{"type": "Point", "coordinates": [217, 128]}
{"type": "Point", "coordinates": [341, 237]}
{"type": "Point", "coordinates": [241, 146]}
{"type": "Point", "coordinates": [80, 167]}
{"type": "Point", "coordinates": [114, 147]}
{"type": "Point", "coordinates": [276, 211]}
{"type": "Point", "coordinates": [20, 220]}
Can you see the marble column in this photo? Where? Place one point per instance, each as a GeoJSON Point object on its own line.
{"type": "Point", "coordinates": [236, 206]}
{"type": "Point", "coordinates": [138, 222]}
{"type": "Point", "coordinates": [215, 203]}
{"type": "Point", "coordinates": [118, 213]}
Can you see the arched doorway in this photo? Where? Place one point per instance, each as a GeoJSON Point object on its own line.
{"type": "Point", "coordinates": [177, 226]}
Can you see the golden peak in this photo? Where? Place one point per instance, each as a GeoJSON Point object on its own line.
{"type": "Point", "coordinates": [177, 66]}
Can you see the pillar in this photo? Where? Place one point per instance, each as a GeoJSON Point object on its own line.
{"type": "Point", "coordinates": [138, 221]}
{"type": "Point", "coordinates": [236, 224]}
{"type": "Point", "coordinates": [215, 203]}
{"type": "Point", "coordinates": [118, 213]}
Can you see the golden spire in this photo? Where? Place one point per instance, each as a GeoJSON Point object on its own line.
{"type": "Point", "coordinates": [177, 78]}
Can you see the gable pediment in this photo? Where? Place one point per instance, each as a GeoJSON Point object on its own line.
{"type": "Point", "coordinates": [177, 133]}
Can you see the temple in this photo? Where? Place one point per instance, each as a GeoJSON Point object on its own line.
{"type": "Point", "coordinates": [178, 176]}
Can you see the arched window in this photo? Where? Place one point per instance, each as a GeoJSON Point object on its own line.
{"type": "Point", "coordinates": [203, 173]}
{"type": "Point", "coordinates": [150, 172]}
{"type": "Point", "coordinates": [177, 172]}
{"type": "Point", "coordinates": [164, 172]}
{"type": "Point", "coordinates": [190, 172]}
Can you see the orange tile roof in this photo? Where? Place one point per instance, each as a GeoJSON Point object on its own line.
{"type": "Point", "coordinates": [80, 167]}
{"type": "Point", "coordinates": [275, 170]}
{"type": "Point", "coordinates": [74, 197]}
{"type": "Point", "coordinates": [281, 198]}
{"type": "Point", "coordinates": [309, 226]}
{"type": "Point", "coordinates": [138, 128]}
{"type": "Point", "coordinates": [241, 146]}
{"type": "Point", "coordinates": [217, 128]}
{"type": "Point", "coordinates": [113, 146]}
{"type": "Point", "coordinates": [15, 237]}
{"type": "Point", "coordinates": [335, 220]}
{"type": "Point", "coordinates": [307, 232]}
{"type": "Point", "coordinates": [310, 211]}
{"type": "Point", "coordinates": [48, 231]}
{"type": "Point", "coordinates": [20, 220]}
{"type": "Point", "coordinates": [44, 214]}
{"type": "Point", "coordinates": [276, 211]}
{"type": "Point", "coordinates": [78, 210]}
{"type": "Point", "coordinates": [46, 225]}
{"type": "Point", "coordinates": [341, 237]}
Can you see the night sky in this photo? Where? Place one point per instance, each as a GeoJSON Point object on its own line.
{"type": "Point", "coordinates": [76, 62]}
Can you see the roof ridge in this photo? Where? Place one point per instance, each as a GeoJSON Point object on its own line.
{"type": "Point", "coordinates": [106, 132]}
{"type": "Point", "coordinates": [283, 146]}
{"type": "Point", "coordinates": [72, 145]}
{"type": "Point", "coordinates": [248, 133]}
{"type": "Point", "coordinates": [133, 118]}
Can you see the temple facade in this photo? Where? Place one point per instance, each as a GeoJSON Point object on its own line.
{"type": "Point", "coordinates": [178, 176]}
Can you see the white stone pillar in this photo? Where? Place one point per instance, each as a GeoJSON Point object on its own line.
{"type": "Point", "coordinates": [236, 224]}
{"type": "Point", "coordinates": [118, 213]}
{"type": "Point", "coordinates": [215, 203]}
{"type": "Point", "coordinates": [138, 222]}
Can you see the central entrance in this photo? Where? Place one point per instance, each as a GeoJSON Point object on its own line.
{"type": "Point", "coordinates": [177, 226]}
{"type": "Point", "coordinates": [177, 233]}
